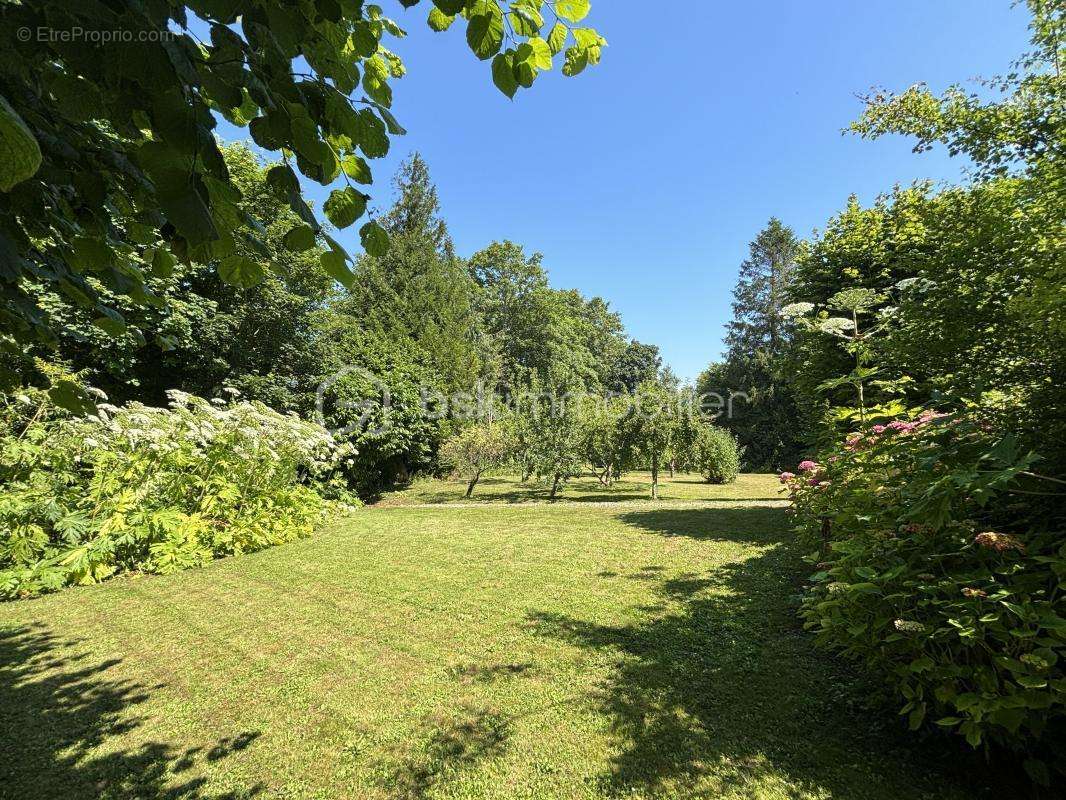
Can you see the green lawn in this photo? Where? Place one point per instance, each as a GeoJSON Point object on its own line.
{"type": "Point", "coordinates": [634, 486]}
{"type": "Point", "coordinates": [498, 652]}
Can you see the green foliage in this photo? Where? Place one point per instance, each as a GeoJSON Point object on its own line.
{"type": "Point", "coordinates": [151, 489]}
{"type": "Point", "coordinates": [378, 395]}
{"type": "Point", "coordinates": [758, 341]}
{"type": "Point", "coordinates": [715, 454]}
{"type": "Point", "coordinates": [554, 432]}
{"type": "Point", "coordinates": [654, 425]}
{"type": "Point", "coordinates": [417, 291]}
{"type": "Point", "coordinates": [933, 576]}
{"type": "Point", "coordinates": [610, 443]}
{"type": "Point", "coordinates": [531, 329]}
{"type": "Point", "coordinates": [942, 536]}
{"type": "Point", "coordinates": [206, 333]}
{"type": "Point", "coordinates": [475, 449]}
{"type": "Point", "coordinates": [109, 154]}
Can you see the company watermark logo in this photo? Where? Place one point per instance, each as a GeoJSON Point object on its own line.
{"type": "Point", "coordinates": [93, 36]}
{"type": "Point", "coordinates": [355, 400]}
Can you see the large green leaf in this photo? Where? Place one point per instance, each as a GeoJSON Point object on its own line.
{"type": "Point", "coordinates": [69, 395]}
{"type": "Point", "coordinates": [573, 10]}
{"type": "Point", "coordinates": [503, 73]}
{"type": "Point", "coordinates": [484, 32]}
{"type": "Point", "coordinates": [542, 54]}
{"type": "Point", "coordinates": [240, 271]}
{"type": "Point", "coordinates": [300, 238]}
{"type": "Point", "coordinates": [335, 262]}
{"type": "Point", "coordinates": [374, 239]}
{"type": "Point", "coordinates": [20, 155]}
{"type": "Point", "coordinates": [356, 169]}
{"type": "Point", "coordinates": [557, 38]}
{"type": "Point", "coordinates": [345, 206]}
{"type": "Point", "coordinates": [450, 7]}
{"type": "Point", "coordinates": [439, 21]}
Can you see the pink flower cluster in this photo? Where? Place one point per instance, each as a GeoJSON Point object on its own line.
{"type": "Point", "coordinates": [812, 476]}
{"type": "Point", "coordinates": [856, 441]}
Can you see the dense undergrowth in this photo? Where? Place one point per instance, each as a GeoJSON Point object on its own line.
{"type": "Point", "coordinates": [152, 489]}
{"type": "Point", "coordinates": [942, 571]}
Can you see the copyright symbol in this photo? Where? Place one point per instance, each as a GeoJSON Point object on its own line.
{"type": "Point", "coordinates": [24, 34]}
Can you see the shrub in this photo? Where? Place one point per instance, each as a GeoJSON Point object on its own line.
{"type": "Point", "coordinates": [475, 449]}
{"type": "Point", "coordinates": [716, 454]}
{"type": "Point", "coordinates": [153, 489]}
{"type": "Point", "coordinates": [934, 576]}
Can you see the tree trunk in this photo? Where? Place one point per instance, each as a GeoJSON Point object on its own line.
{"type": "Point", "coordinates": [673, 466]}
{"type": "Point", "coordinates": [526, 472]}
{"type": "Point", "coordinates": [654, 476]}
{"type": "Point", "coordinates": [555, 486]}
{"type": "Point", "coordinates": [473, 482]}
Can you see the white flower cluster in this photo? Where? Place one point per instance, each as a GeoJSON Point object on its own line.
{"type": "Point", "coordinates": [196, 433]}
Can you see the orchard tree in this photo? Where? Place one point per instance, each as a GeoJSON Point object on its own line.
{"type": "Point", "coordinates": [112, 173]}
{"type": "Point", "coordinates": [608, 441]}
{"type": "Point", "coordinates": [654, 425]}
{"type": "Point", "coordinates": [475, 449]}
{"type": "Point", "coordinates": [556, 442]}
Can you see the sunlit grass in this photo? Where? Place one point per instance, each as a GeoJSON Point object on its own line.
{"type": "Point", "coordinates": [508, 651]}
{"type": "Point", "coordinates": [586, 488]}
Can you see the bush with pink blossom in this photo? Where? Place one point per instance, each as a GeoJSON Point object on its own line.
{"type": "Point", "coordinates": [935, 571]}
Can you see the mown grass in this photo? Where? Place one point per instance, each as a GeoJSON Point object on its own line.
{"type": "Point", "coordinates": [498, 652]}
{"type": "Point", "coordinates": [586, 488]}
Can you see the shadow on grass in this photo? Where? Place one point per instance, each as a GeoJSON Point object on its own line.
{"type": "Point", "coordinates": [718, 690]}
{"type": "Point", "coordinates": [758, 525]}
{"type": "Point", "coordinates": [447, 747]}
{"type": "Point", "coordinates": [59, 714]}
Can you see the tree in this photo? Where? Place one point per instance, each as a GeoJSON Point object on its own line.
{"type": "Point", "coordinates": [477, 448]}
{"type": "Point", "coordinates": [608, 441]}
{"type": "Point", "coordinates": [112, 167]}
{"type": "Point", "coordinates": [758, 339]}
{"type": "Point", "coordinates": [635, 364]}
{"type": "Point", "coordinates": [532, 329]}
{"type": "Point", "coordinates": [419, 289]}
{"type": "Point", "coordinates": [654, 426]}
{"type": "Point", "coordinates": [714, 453]}
{"type": "Point", "coordinates": [1018, 130]}
{"type": "Point", "coordinates": [761, 292]}
{"type": "Point", "coordinates": [556, 450]}
{"type": "Point", "coordinates": [513, 300]}
{"type": "Point", "coordinates": [203, 333]}
{"type": "Point", "coordinates": [372, 393]}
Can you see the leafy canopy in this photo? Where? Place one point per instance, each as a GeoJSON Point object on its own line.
{"type": "Point", "coordinates": [108, 153]}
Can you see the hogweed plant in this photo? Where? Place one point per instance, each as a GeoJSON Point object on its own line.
{"type": "Point", "coordinates": [851, 331]}
{"type": "Point", "coordinates": [150, 489]}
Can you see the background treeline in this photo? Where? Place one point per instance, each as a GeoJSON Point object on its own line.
{"type": "Point", "coordinates": [221, 418]}
{"type": "Point", "coordinates": [420, 319]}
{"type": "Point", "coordinates": [913, 354]}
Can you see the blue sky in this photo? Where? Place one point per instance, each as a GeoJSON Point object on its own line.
{"type": "Point", "coordinates": [643, 180]}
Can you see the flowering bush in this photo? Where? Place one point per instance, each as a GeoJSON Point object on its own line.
{"type": "Point", "coordinates": [152, 489]}
{"type": "Point", "coordinates": [935, 573]}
